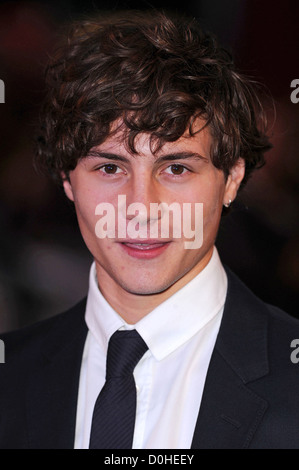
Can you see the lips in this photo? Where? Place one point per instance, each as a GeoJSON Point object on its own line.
{"type": "Point", "coordinates": [146, 249]}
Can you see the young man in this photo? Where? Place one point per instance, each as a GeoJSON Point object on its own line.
{"type": "Point", "coordinates": [146, 121]}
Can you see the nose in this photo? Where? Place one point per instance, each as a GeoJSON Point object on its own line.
{"type": "Point", "coordinates": [143, 191]}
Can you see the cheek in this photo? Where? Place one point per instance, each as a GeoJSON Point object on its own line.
{"type": "Point", "coordinates": [85, 205]}
{"type": "Point", "coordinates": [213, 201]}
{"type": "Point", "coordinates": [209, 191]}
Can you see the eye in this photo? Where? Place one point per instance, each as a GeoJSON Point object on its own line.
{"type": "Point", "coordinates": [176, 169]}
{"type": "Point", "coordinates": [110, 169]}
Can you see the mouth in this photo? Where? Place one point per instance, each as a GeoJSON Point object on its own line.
{"type": "Point", "coordinates": [145, 249]}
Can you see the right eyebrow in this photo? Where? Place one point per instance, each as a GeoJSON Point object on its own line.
{"type": "Point", "coordinates": [107, 156]}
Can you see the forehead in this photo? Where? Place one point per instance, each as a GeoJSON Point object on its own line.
{"type": "Point", "coordinates": [145, 144]}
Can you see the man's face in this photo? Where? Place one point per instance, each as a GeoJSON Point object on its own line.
{"type": "Point", "coordinates": [181, 172]}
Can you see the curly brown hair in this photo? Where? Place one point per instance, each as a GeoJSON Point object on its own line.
{"type": "Point", "coordinates": [155, 72]}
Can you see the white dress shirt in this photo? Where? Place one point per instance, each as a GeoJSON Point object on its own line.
{"type": "Point", "coordinates": [181, 334]}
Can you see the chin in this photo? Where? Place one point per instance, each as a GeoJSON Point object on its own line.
{"type": "Point", "coordinates": [149, 283]}
{"type": "Point", "coordinates": [147, 288]}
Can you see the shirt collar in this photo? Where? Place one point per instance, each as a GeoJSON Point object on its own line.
{"type": "Point", "coordinates": [174, 321]}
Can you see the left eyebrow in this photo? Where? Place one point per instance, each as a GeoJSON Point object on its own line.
{"type": "Point", "coordinates": [181, 156]}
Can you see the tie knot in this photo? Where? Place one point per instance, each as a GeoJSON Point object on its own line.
{"type": "Point", "coordinates": [125, 350]}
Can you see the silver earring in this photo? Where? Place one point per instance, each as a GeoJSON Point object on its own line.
{"type": "Point", "coordinates": [227, 205]}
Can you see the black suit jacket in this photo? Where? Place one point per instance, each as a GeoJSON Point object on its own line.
{"type": "Point", "coordinates": [250, 398]}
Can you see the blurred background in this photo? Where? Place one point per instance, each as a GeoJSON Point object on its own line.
{"type": "Point", "coordinates": [44, 264]}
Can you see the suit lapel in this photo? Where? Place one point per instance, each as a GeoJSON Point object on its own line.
{"type": "Point", "coordinates": [230, 411]}
{"type": "Point", "coordinates": [53, 391]}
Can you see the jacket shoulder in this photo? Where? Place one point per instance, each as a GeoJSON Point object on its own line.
{"type": "Point", "coordinates": [36, 358]}
{"type": "Point", "coordinates": [253, 329]}
{"type": "Point", "coordinates": [280, 316]}
{"type": "Point", "coordinates": [19, 343]}
{"type": "Point", "coordinates": [245, 299]}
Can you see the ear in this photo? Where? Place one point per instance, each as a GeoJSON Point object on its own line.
{"type": "Point", "coordinates": [67, 186]}
{"type": "Point", "coordinates": [233, 182]}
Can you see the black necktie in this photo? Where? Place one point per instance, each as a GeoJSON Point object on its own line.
{"type": "Point", "coordinates": [114, 413]}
